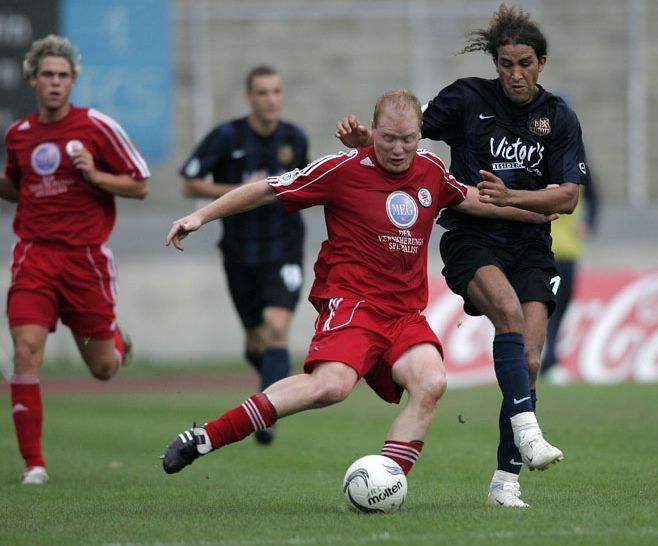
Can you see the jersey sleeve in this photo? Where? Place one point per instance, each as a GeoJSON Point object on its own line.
{"type": "Point", "coordinates": [567, 161]}
{"type": "Point", "coordinates": [118, 154]}
{"type": "Point", "coordinates": [443, 115]}
{"type": "Point", "coordinates": [310, 186]}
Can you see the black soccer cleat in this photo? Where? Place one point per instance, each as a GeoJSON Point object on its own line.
{"type": "Point", "coordinates": [188, 446]}
{"type": "Point", "coordinates": [265, 437]}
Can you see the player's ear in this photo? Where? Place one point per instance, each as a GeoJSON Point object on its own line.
{"type": "Point", "coordinates": [542, 62]}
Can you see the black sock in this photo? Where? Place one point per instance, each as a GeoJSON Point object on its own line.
{"type": "Point", "coordinates": [275, 366]}
{"type": "Point", "coordinates": [512, 372]}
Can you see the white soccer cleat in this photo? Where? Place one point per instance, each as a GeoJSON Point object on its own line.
{"type": "Point", "coordinates": [35, 475]}
{"type": "Point", "coordinates": [505, 494]}
{"type": "Point", "coordinates": [536, 452]}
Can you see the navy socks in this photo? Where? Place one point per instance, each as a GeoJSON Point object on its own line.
{"type": "Point", "coordinates": [513, 379]}
{"type": "Point", "coordinates": [275, 365]}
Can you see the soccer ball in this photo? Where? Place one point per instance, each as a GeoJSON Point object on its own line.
{"type": "Point", "coordinates": [375, 484]}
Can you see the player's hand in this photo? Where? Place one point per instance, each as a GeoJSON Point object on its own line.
{"type": "Point", "coordinates": [352, 133]}
{"type": "Point", "coordinates": [492, 190]}
{"type": "Point", "coordinates": [181, 228]}
{"type": "Point", "coordinates": [84, 162]}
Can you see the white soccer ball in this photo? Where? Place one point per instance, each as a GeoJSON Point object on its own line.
{"type": "Point", "coordinates": [375, 484]}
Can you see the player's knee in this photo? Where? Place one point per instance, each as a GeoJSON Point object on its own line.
{"type": "Point", "coordinates": [103, 369]}
{"type": "Point", "coordinates": [429, 388]}
{"type": "Point", "coordinates": [332, 391]}
{"type": "Point", "coordinates": [25, 356]}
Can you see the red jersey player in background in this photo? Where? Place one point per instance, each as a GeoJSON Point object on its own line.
{"type": "Point", "coordinates": [64, 166]}
{"type": "Point", "coordinates": [370, 288]}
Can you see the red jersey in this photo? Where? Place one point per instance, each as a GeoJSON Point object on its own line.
{"type": "Point", "coordinates": [56, 203]}
{"type": "Point", "coordinates": [378, 224]}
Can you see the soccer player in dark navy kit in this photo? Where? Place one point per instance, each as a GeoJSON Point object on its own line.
{"type": "Point", "coordinates": [263, 248]}
{"type": "Point", "coordinates": [531, 140]}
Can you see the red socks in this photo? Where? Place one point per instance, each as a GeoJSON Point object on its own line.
{"type": "Point", "coordinates": [256, 413]}
{"type": "Point", "coordinates": [404, 453]}
{"type": "Point", "coordinates": [119, 347]}
{"type": "Point", "coordinates": [27, 411]}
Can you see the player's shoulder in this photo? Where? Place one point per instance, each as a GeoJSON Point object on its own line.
{"type": "Point", "coordinates": [20, 126]}
{"type": "Point", "coordinates": [430, 159]}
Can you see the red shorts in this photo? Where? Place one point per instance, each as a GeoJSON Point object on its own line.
{"type": "Point", "coordinates": [76, 284]}
{"type": "Point", "coordinates": [355, 333]}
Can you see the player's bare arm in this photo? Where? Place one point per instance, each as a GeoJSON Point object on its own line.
{"type": "Point", "coordinates": [8, 191]}
{"type": "Point", "coordinates": [121, 185]}
{"type": "Point", "coordinates": [560, 198]}
{"type": "Point", "coordinates": [200, 188]}
{"type": "Point", "coordinates": [474, 206]}
{"type": "Point", "coordinates": [244, 198]}
{"type": "Point", "coordinates": [352, 133]}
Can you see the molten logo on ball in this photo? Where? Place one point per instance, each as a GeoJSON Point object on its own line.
{"type": "Point", "coordinates": [375, 484]}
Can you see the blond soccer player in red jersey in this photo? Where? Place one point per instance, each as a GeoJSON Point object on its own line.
{"type": "Point", "coordinates": [65, 165]}
{"type": "Point", "coordinates": [380, 204]}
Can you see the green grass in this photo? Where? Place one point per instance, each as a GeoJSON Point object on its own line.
{"type": "Point", "coordinates": [107, 486]}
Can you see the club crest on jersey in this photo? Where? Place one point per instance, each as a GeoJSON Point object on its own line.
{"type": "Point", "coordinates": [285, 154]}
{"type": "Point", "coordinates": [288, 178]}
{"type": "Point", "coordinates": [73, 146]}
{"type": "Point", "coordinates": [540, 126]}
{"type": "Point", "coordinates": [401, 209]}
{"type": "Point", "coordinates": [45, 158]}
{"type": "Point", "coordinates": [424, 197]}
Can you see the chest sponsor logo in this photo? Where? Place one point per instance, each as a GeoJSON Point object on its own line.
{"type": "Point", "coordinates": [540, 126]}
{"type": "Point", "coordinates": [45, 158]}
{"type": "Point", "coordinates": [401, 209]}
{"type": "Point", "coordinates": [517, 154]}
{"type": "Point", "coordinates": [425, 197]}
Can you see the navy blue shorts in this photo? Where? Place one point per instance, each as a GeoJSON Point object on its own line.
{"type": "Point", "coordinates": [529, 267]}
{"type": "Point", "coordinates": [253, 288]}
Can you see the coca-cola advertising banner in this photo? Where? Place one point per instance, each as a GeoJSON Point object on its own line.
{"type": "Point", "coordinates": [609, 333]}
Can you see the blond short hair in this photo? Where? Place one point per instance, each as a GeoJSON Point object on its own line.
{"type": "Point", "coordinates": [50, 46]}
{"type": "Point", "coordinates": [399, 100]}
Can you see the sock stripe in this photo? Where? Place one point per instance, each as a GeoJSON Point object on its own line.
{"type": "Point", "coordinates": [398, 455]}
{"type": "Point", "coordinates": [402, 450]}
{"type": "Point", "coordinates": [254, 415]}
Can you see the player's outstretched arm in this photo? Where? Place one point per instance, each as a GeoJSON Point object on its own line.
{"type": "Point", "coordinates": [558, 198]}
{"type": "Point", "coordinates": [352, 133]}
{"type": "Point", "coordinates": [241, 199]}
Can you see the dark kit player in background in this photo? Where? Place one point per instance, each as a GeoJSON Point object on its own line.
{"type": "Point", "coordinates": [262, 248]}
{"type": "Point", "coordinates": [505, 270]}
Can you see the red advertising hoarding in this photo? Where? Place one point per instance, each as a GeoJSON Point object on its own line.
{"type": "Point", "coordinates": [609, 333]}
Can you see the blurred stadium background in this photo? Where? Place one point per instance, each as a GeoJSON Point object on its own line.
{"type": "Point", "coordinates": [170, 70]}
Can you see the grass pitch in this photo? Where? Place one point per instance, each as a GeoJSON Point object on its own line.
{"type": "Point", "coordinates": [108, 488]}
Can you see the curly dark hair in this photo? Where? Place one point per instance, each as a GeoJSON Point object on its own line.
{"type": "Point", "coordinates": [508, 26]}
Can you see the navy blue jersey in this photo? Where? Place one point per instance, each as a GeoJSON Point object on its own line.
{"type": "Point", "coordinates": [232, 152]}
{"type": "Point", "coordinates": [528, 146]}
